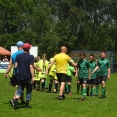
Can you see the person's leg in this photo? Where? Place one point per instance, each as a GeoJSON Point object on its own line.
{"type": "Point", "coordinates": [50, 85]}
{"type": "Point", "coordinates": [93, 89]}
{"type": "Point", "coordinates": [83, 82]}
{"type": "Point", "coordinates": [28, 95]}
{"type": "Point", "coordinates": [103, 86]}
{"type": "Point", "coordinates": [56, 85]}
{"type": "Point", "coordinates": [42, 84]}
{"type": "Point", "coordinates": [20, 89]}
{"type": "Point", "coordinates": [38, 85]}
{"type": "Point", "coordinates": [78, 86]}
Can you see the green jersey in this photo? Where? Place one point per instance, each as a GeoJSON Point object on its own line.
{"type": "Point", "coordinates": [83, 66]}
{"type": "Point", "coordinates": [70, 70]}
{"type": "Point", "coordinates": [103, 64]}
{"type": "Point", "coordinates": [92, 67]}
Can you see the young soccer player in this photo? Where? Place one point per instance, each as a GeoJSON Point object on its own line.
{"type": "Point", "coordinates": [104, 66]}
{"type": "Point", "coordinates": [36, 76]}
{"type": "Point", "coordinates": [43, 64]}
{"type": "Point", "coordinates": [83, 73]}
{"type": "Point", "coordinates": [97, 79]}
{"type": "Point", "coordinates": [53, 77]}
{"type": "Point", "coordinates": [93, 79]}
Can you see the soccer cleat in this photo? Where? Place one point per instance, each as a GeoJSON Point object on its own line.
{"type": "Point", "coordinates": [11, 102]}
{"type": "Point", "coordinates": [63, 96]}
{"type": "Point", "coordinates": [23, 102]}
{"type": "Point", "coordinates": [27, 106]}
{"type": "Point", "coordinates": [48, 91]}
{"type": "Point", "coordinates": [69, 94]}
{"type": "Point", "coordinates": [82, 98]}
{"type": "Point", "coordinates": [103, 96]}
{"type": "Point", "coordinates": [96, 95]}
{"type": "Point", "coordinates": [15, 101]}
{"type": "Point", "coordinates": [60, 98]}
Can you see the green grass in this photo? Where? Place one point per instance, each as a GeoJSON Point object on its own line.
{"type": "Point", "coordinates": [47, 105]}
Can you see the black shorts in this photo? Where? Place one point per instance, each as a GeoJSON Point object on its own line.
{"type": "Point", "coordinates": [89, 81]}
{"type": "Point", "coordinates": [13, 80]}
{"type": "Point", "coordinates": [82, 80]}
{"type": "Point", "coordinates": [103, 78]}
{"type": "Point", "coordinates": [93, 81]}
{"type": "Point", "coordinates": [97, 80]}
{"type": "Point", "coordinates": [61, 77]}
{"type": "Point", "coordinates": [69, 78]}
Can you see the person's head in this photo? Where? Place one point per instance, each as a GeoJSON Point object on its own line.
{"type": "Point", "coordinates": [91, 57]}
{"type": "Point", "coordinates": [64, 49]}
{"type": "Point", "coordinates": [103, 54]}
{"type": "Point", "coordinates": [38, 58]}
{"type": "Point", "coordinates": [35, 59]}
{"type": "Point", "coordinates": [26, 47]}
{"type": "Point", "coordinates": [96, 60]}
{"type": "Point", "coordinates": [82, 55]}
{"type": "Point", "coordinates": [44, 56]}
{"type": "Point", "coordinates": [19, 45]}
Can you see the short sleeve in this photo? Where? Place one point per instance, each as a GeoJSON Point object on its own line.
{"type": "Point", "coordinates": [108, 64]}
{"type": "Point", "coordinates": [31, 60]}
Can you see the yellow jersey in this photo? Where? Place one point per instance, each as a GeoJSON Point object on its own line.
{"type": "Point", "coordinates": [62, 60]}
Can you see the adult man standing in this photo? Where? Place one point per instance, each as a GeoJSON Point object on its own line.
{"type": "Point", "coordinates": [19, 45]}
{"type": "Point", "coordinates": [25, 76]}
{"type": "Point", "coordinates": [62, 60]}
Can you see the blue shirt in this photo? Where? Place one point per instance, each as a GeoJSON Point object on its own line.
{"type": "Point", "coordinates": [14, 57]}
{"type": "Point", "coordinates": [24, 61]}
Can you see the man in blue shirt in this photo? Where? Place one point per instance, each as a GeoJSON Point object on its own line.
{"type": "Point", "coordinates": [19, 45]}
{"type": "Point", "coordinates": [25, 76]}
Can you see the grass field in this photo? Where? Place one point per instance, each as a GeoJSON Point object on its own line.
{"type": "Point", "coordinates": [47, 104]}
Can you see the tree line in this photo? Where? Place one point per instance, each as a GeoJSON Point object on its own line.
{"type": "Point", "coordinates": [48, 24]}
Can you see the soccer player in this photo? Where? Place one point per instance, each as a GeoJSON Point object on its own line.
{"type": "Point", "coordinates": [83, 73]}
{"type": "Point", "coordinates": [104, 67]}
{"type": "Point", "coordinates": [36, 84]}
{"type": "Point", "coordinates": [69, 78]}
{"type": "Point", "coordinates": [52, 76]}
{"type": "Point", "coordinates": [25, 76]}
{"type": "Point", "coordinates": [61, 59]}
{"type": "Point", "coordinates": [43, 65]}
{"type": "Point", "coordinates": [97, 79]}
{"type": "Point", "coordinates": [93, 79]}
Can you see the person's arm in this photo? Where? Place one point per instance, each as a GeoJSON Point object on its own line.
{"type": "Point", "coordinates": [108, 73]}
{"type": "Point", "coordinates": [32, 73]}
{"type": "Point", "coordinates": [96, 68]}
{"type": "Point", "coordinates": [89, 72]}
{"type": "Point", "coordinates": [53, 61]}
{"type": "Point", "coordinates": [37, 68]}
{"type": "Point", "coordinates": [8, 68]}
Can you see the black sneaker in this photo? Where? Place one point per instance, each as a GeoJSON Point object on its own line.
{"type": "Point", "coordinates": [27, 106]}
{"type": "Point", "coordinates": [60, 98]}
{"type": "Point", "coordinates": [11, 102]}
{"type": "Point", "coordinates": [63, 96]}
{"type": "Point", "coordinates": [23, 102]}
{"type": "Point", "coordinates": [16, 104]}
{"type": "Point", "coordinates": [48, 91]}
{"type": "Point", "coordinates": [103, 96]}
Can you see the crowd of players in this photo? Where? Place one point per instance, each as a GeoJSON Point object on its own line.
{"type": "Point", "coordinates": [59, 70]}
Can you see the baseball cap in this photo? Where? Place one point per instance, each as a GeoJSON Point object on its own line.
{"type": "Point", "coordinates": [27, 46]}
{"type": "Point", "coordinates": [19, 43]}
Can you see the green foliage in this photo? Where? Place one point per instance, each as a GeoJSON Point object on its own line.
{"type": "Point", "coordinates": [48, 24]}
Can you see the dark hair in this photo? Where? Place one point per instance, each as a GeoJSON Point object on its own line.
{"type": "Point", "coordinates": [82, 53]}
{"type": "Point", "coordinates": [103, 51]}
{"type": "Point", "coordinates": [92, 54]}
{"type": "Point", "coordinates": [27, 50]}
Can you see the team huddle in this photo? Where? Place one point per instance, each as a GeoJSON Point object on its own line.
{"type": "Point", "coordinates": [32, 73]}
